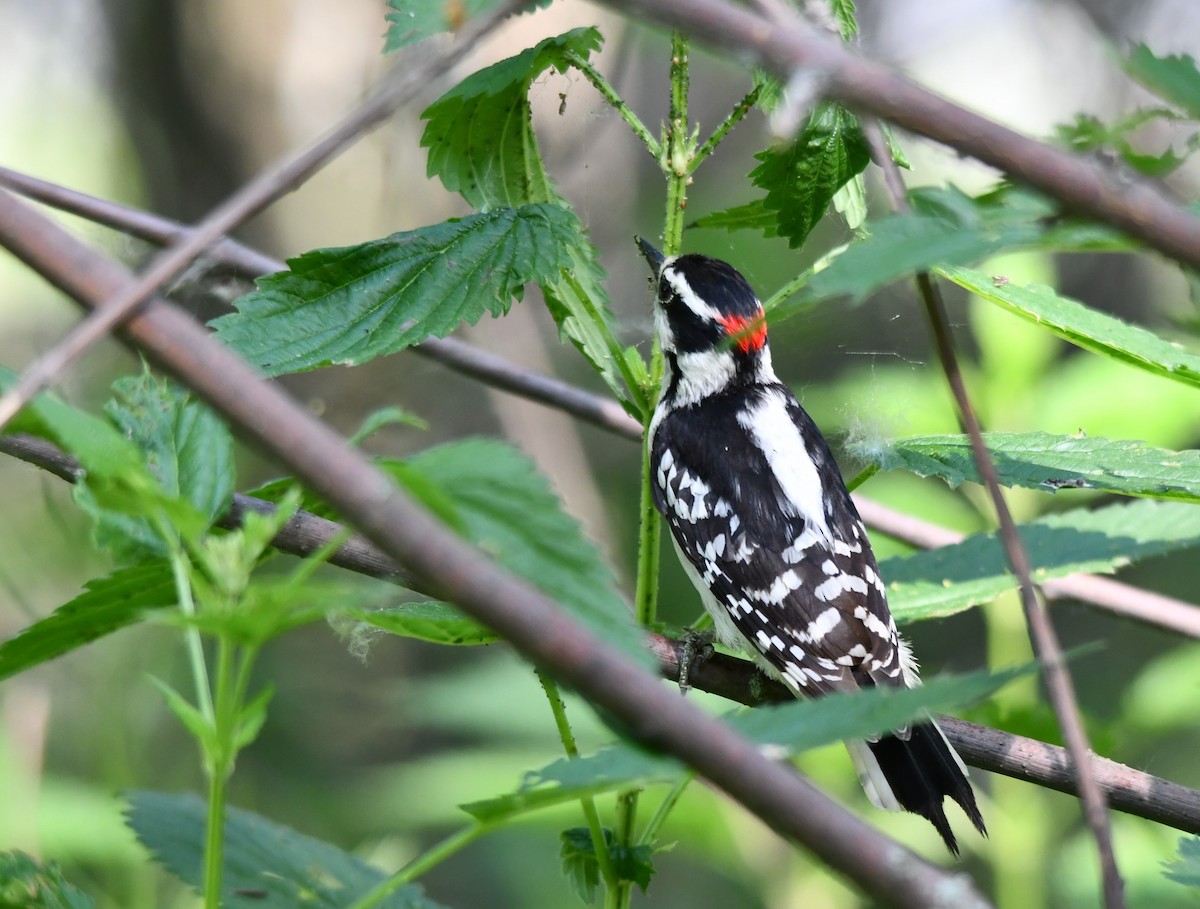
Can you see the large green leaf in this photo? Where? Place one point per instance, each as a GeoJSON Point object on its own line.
{"type": "Point", "coordinates": [1173, 78]}
{"type": "Point", "coordinates": [352, 304]}
{"type": "Point", "coordinates": [27, 884]}
{"type": "Point", "coordinates": [106, 605]}
{"type": "Point", "coordinates": [801, 178]}
{"type": "Point", "coordinates": [1082, 325]}
{"type": "Point", "coordinates": [953, 578]}
{"type": "Point", "coordinates": [265, 864]}
{"type": "Point", "coordinates": [790, 728]}
{"type": "Point", "coordinates": [481, 144]}
{"type": "Point", "coordinates": [1040, 460]}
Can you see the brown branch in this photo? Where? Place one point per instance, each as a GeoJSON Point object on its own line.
{"type": "Point", "coordinates": [1026, 759]}
{"type": "Point", "coordinates": [438, 560]}
{"type": "Point", "coordinates": [785, 44]}
{"type": "Point", "coordinates": [1055, 676]}
{"type": "Point", "coordinates": [253, 197]}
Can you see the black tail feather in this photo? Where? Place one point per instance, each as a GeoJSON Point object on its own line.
{"type": "Point", "coordinates": [922, 771]}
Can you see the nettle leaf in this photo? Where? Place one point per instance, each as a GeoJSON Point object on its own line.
{"type": "Point", "coordinates": [25, 883]}
{"type": "Point", "coordinates": [1185, 869]}
{"type": "Point", "coordinates": [265, 864]}
{"type": "Point", "coordinates": [581, 867]}
{"type": "Point", "coordinates": [1083, 326]}
{"type": "Point", "coordinates": [1043, 461]}
{"type": "Point", "coordinates": [793, 728]}
{"type": "Point", "coordinates": [353, 304]}
{"type": "Point", "coordinates": [953, 578]}
{"type": "Point", "coordinates": [508, 509]}
{"type": "Point", "coordinates": [1173, 78]}
{"type": "Point", "coordinates": [106, 605]}
{"type": "Point", "coordinates": [482, 145]}
{"type": "Point", "coordinates": [946, 227]}
{"type": "Point", "coordinates": [434, 622]}
{"type": "Point", "coordinates": [802, 177]}
{"type": "Point", "coordinates": [751, 216]}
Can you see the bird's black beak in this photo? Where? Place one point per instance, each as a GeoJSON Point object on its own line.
{"type": "Point", "coordinates": [653, 256]}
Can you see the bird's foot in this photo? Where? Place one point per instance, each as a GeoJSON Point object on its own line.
{"type": "Point", "coordinates": [697, 646]}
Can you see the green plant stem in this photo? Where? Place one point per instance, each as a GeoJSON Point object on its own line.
{"type": "Point", "coordinates": [599, 843]}
{"type": "Point", "coordinates": [664, 810]}
{"type": "Point", "coordinates": [865, 474]}
{"type": "Point", "coordinates": [609, 94]}
{"type": "Point", "coordinates": [422, 863]}
{"type": "Point", "coordinates": [679, 147]}
{"type": "Point", "coordinates": [219, 762]}
{"type": "Point", "coordinates": [191, 635]}
{"type": "Point", "coordinates": [735, 117]}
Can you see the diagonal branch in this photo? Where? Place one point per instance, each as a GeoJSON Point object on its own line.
{"type": "Point", "coordinates": [786, 44]}
{"type": "Point", "coordinates": [253, 197]}
{"type": "Point", "coordinates": [439, 561]}
{"type": "Point", "coordinates": [1060, 688]}
{"type": "Point", "coordinates": [1026, 759]}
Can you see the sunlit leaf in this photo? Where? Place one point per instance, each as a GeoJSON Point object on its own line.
{"type": "Point", "coordinates": [1173, 78]}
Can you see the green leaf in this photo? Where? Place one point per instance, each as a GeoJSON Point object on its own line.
{"type": "Point", "coordinates": [510, 512]}
{"type": "Point", "coordinates": [1083, 326]}
{"type": "Point", "coordinates": [437, 623]}
{"type": "Point", "coordinates": [27, 884]}
{"type": "Point", "coordinates": [481, 144]}
{"type": "Point", "coordinates": [1040, 460]}
{"type": "Point", "coordinates": [1173, 78]}
{"type": "Point", "coordinates": [946, 227]}
{"type": "Point", "coordinates": [1185, 869]}
{"type": "Point", "coordinates": [385, 416]}
{"type": "Point", "coordinates": [356, 303]}
{"type": "Point", "coordinates": [752, 216]}
{"type": "Point", "coordinates": [953, 578]}
{"type": "Point", "coordinates": [845, 14]}
{"type": "Point", "coordinates": [192, 719]}
{"type": "Point", "coordinates": [480, 133]}
{"type": "Point", "coordinates": [251, 718]}
{"type": "Point", "coordinates": [802, 178]}
{"type": "Point", "coordinates": [106, 605]}
{"type": "Point", "coordinates": [265, 864]}
{"type": "Point", "coordinates": [793, 728]}
{"type": "Point", "coordinates": [582, 869]}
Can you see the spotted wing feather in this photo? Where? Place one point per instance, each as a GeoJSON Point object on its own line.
{"type": "Point", "coordinates": [801, 588]}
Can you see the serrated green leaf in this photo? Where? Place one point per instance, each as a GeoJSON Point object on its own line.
{"type": "Point", "coordinates": [106, 605]}
{"type": "Point", "coordinates": [1173, 78]}
{"type": "Point", "coordinates": [385, 416]}
{"type": "Point", "coordinates": [265, 864]}
{"type": "Point", "coordinates": [793, 727]}
{"type": "Point", "coordinates": [356, 303]}
{"type": "Point", "coordinates": [1082, 325]}
{"type": "Point", "coordinates": [802, 178]}
{"type": "Point", "coordinates": [1186, 868]}
{"type": "Point", "coordinates": [480, 133]}
{"type": "Point", "coordinates": [751, 216]}
{"type": "Point", "coordinates": [845, 14]}
{"type": "Point", "coordinates": [946, 227]}
{"type": "Point", "coordinates": [482, 145]}
{"type": "Point", "coordinates": [581, 867]}
{"type": "Point", "coordinates": [1043, 461]}
{"type": "Point", "coordinates": [953, 578]}
{"type": "Point", "coordinates": [437, 623]}
{"type": "Point", "coordinates": [509, 511]}
{"type": "Point", "coordinates": [27, 884]}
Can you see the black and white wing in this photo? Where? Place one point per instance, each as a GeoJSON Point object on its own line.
{"type": "Point", "coordinates": [758, 509]}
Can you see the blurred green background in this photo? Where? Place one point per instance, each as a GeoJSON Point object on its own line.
{"type": "Point", "coordinates": [171, 104]}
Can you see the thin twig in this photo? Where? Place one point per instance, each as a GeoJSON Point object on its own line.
{"type": "Point", "coordinates": [253, 197]}
{"type": "Point", "coordinates": [1057, 678]}
{"type": "Point", "coordinates": [437, 559]}
{"type": "Point", "coordinates": [1129, 790]}
{"type": "Point", "coordinates": [788, 44]}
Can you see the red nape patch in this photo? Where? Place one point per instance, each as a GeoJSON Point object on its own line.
{"type": "Point", "coordinates": [749, 334]}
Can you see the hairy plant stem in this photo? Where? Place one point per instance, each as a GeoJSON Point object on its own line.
{"type": "Point", "coordinates": [609, 94]}
{"type": "Point", "coordinates": [587, 803]}
{"type": "Point", "coordinates": [195, 647]}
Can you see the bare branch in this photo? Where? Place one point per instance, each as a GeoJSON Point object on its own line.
{"type": "Point", "coordinates": [786, 44]}
{"type": "Point", "coordinates": [253, 197]}
{"type": "Point", "coordinates": [1057, 678]}
{"type": "Point", "coordinates": [441, 562]}
{"type": "Point", "coordinates": [1026, 759]}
